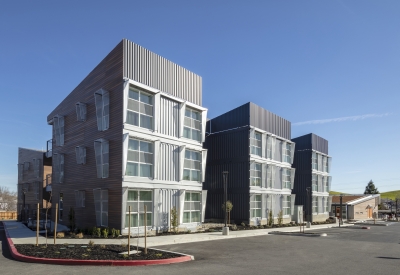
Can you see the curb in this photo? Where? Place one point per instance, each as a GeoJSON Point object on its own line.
{"type": "Point", "coordinates": [16, 255]}
{"type": "Point", "coordinates": [298, 234]}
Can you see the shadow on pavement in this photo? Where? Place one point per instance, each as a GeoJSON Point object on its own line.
{"type": "Point", "coordinates": [4, 244]}
{"type": "Point", "coordinates": [389, 258]}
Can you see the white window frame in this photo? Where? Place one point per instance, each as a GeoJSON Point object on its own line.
{"type": "Point", "coordinates": [102, 101]}
{"type": "Point", "coordinates": [138, 107]}
{"type": "Point", "coordinates": [139, 154]}
{"type": "Point", "coordinates": [102, 155]}
{"type": "Point", "coordinates": [314, 182]}
{"type": "Point", "coordinates": [138, 205]}
{"type": "Point", "coordinates": [191, 164]}
{"type": "Point", "coordinates": [255, 205]}
{"type": "Point", "coordinates": [189, 204]}
{"type": "Point", "coordinates": [314, 204]}
{"type": "Point", "coordinates": [255, 143]}
{"type": "Point", "coordinates": [80, 152]}
{"type": "Point", "coordinates": [269, 176]}
{"type": "Point", "coordinates": [286, 178]}
{"type": "Point", "coordinates": [287, 153]}
{"type": "Point", "coordinates": [191, 123]}
{"type": "Point", "coordinates": [255, 174]}
{"type": "Point", "coordinates": [58, 127]}
{"type": "Point", "coordinates": [286, 205]}
{"type": "Point", "coordinates": [325, 204]}
{"type": "Point", "coordinates": [80, 198]}
{"type": "Point", "coordinates": [314, 161]}
{"type": "Point", "coordinates": [325, 164]}
{"type": "Point", "coordinates": [269, 147]}
{"type": "Point", "coordinates": [81, 111]}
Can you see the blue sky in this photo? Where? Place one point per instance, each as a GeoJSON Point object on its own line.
{"type": "Point", "coordinates": [329, 67]}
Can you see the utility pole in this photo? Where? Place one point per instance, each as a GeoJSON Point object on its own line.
{"type": "Point", "coordinates": [341, 212]}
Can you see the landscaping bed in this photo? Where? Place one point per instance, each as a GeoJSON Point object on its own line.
{"type": "Point", "coordinates": [91, 252]}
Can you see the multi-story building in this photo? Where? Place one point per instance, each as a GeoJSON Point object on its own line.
{"type": "Point", "coordinates": [253, 145]}
{"type": "Point", "coordinates": [34, 174]}
{"type": "Point", "coordinates": [312, 181]}
{"type": "Point", "coordinates": [130, 135]}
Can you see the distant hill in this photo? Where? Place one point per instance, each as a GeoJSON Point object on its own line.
{"type": "Point", "coordinates": [390, 195]}
{"type": "Point", "coordinates": [336, 193]}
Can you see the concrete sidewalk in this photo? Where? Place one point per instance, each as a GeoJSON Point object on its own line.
{"type": "Point", "coordinates": [20, 234]}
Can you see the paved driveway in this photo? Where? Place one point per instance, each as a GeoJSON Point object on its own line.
{"type": "Point", "coordinates": [344, 251]}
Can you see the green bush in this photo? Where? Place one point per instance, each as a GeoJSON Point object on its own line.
{"type": "Point", "coordinates": [113, 233]}
{"type": "Point", "coordinates": [280, 218]}
{"type": "Point", "coordinates": [104, 233]}
{"type": "Point", "coordinates": [270, 219]}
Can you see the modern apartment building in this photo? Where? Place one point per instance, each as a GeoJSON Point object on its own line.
{"type": "Point", "coordinates": [130, 135]}
{"type": "Point", "coordinates": [313, 165]}
{"type": "Point", "coordinates": [34, 174]}
{"type": "Point", "coordinates": [254, 146]}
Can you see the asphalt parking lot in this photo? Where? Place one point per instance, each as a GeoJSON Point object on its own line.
{"type": "Point", "coordinates": [344, 250]}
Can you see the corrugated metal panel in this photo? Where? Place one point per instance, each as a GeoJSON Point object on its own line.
{"type": "Point", "coordinates": [237, 117]}
{"type": "Point", "coordinates": [311, 141]}
{"type": "Point", "coordinates": [155, 71]}
{"type": "Point", "coordinates": [265, 120]}
{"type": "Point", "coordinates": [169, 117]}
{"type": "Point", "coordinates": [168, 198]}
{"type": "Point", "coordinates": [168, 162]}
{"type": "Point", "coordinates": [239, 213]}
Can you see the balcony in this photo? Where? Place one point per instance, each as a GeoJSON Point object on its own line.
{"type": "Point", "coordinates": [49, 151]}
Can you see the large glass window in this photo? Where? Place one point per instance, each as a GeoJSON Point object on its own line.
{"type": "Point", "coordinates": [286, 205]}
{"type": "Point", "coordinates": [314, 183]}
{"type": "Point", "coordinates": [140, 158]}
{"type": "Point", "coordinates": [269, 147]}
{"type": "Point", "coordinates": [286, 173]}
{"type": "Point", "coordinates": [286, 153]}
{"type": "Point", "coordinates": [192, 124]}
{"type": "Point", "coordinates": [315, 204]}
{"type": "Point", "coordinates": [101, 206]}
{"type": "Point", "coordinates": [269, 176]}
{"type": "Point", "coordinates": [255, 142]}
{"type": "Point", "coordinates": [192, 166]}
{"type": "Point", "coordinates": [192, 212]}
{"type": "Point", "coordinates": [325, 163]}
{"type": "Point", "coordinates": [102, 101]}
{"type": "Point", "coordinates": [137, 200]}
{"type": "Point", "coordinates": [140, 109]}
{"type": "Point", "coordinates": [314, 161]}
{"type": "Point", "coordinates": [58, 127]}
{"type": "Point", "coordinates": [255, 206]}
{"type": "Point", "coordinates": [255, 174]}
{"type": "Point", "coordinates": [101, 149]}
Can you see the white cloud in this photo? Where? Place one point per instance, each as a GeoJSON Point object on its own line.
{"type": "Point", "coordinates": [340, 119]}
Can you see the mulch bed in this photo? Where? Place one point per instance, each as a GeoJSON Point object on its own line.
{"type": "Point", "coordinates": [94, 252]}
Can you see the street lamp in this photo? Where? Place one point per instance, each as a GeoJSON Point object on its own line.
{"type": "Point", "coordinates": [225, 231]}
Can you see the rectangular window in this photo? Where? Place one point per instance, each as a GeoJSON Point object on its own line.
{"type": "Point", "coordinates": [137, 200]}
{"type": "Point", "coordinates": [37, 190]}
{"type": "Point", "coordinates": [58, 127]}
{"type": "Point", "coordinates": [80, 152]}
{"type": "Point", "coordinates": [80, 197]}
{"type": "Point", "coordinates": [102, 101]}
{"type": "Point", "coordinates": [255, 143]}
{"type": "Point", "coordinates": [325, 164]}
{"type": "Point", "coordinates": [140, 109]}
{"type": "Point", "coordinates": [255, 206]}
{"type": "Point", "coordinates": [26, 166]}
{"type": "Point", "coordinates": [192, 212]}
{"type": "Point", "coordinates": [101, 148]}
{"type": "Point", "coordinates": [269, 147]}
{"type": "Point", "coordinates": [36, 168]}
{"type": "Point", "coordinates": [58, 168]}
{"type": "Point", "coordinates": [255, 174]}
{"type": "Point", "coordinates": [324, 184]}
{"type": "Point", "coordinates": [315, 204]}
{"type": "Point", "coordinates": [314, 182]}
{"type": "Point", "coordinates": [286, 153]}
{"type": "Point", "coordinates": [80, 111]}
{"type": "Point", "coordinates": [192, 166]}
{"type": "Point", "coordinates": [140, 158]}
{"type": "Point", "coordinates": [314, 161]}
{"type": "Point", "coordinates": [60, 207]}
{"type": "Point", "coordinates": [287, 205]}
{"type": "Point", "coordinates": [101, 206]}
{"type": "Point", "coordinates": [286, 174]}
{"type": "Point", "coordinates": [192, 124]}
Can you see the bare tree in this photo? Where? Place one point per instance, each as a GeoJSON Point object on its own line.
{"type": "Point", "coordinates": [8, 199]}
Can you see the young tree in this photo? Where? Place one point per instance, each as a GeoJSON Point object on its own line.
{"type": "Point", "coordinates": [228, 209]}
{"type": "Point", "coordinates": [370, 188]}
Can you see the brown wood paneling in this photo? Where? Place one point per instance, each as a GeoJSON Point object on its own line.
{"type": "Point", "coordinates": [107, 75]}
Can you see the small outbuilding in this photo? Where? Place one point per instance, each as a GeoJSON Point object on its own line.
{"type": "Point", "coordinates": [356, 207]}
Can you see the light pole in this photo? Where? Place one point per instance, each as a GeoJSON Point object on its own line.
{"type": "Point", "coordinates": [309, 206]}
{"type": "Point", "coordinates": [341, 212]}
{"type": "Point", "coordinates": [225, 230]}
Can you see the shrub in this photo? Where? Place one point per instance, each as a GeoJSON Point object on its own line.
{"type": "Point", "coordinates": [113, 232]}
{"type": "Point", "coordinates": [174, 219]}
{"type": "Point", "coordinates": [233, 227]}
{"type": "Point", "coordinates": [280, 218]}
{"type": "Point", "coordinates": [270, 219]}
{"type": "Point", "coordinates": [91, 243]}
{"type": "Point", "coordinates": [104, 233]}
{"type": "Point", "coordinates": [118, 232]}
{"type": "Point", "coordinates": [243, 224]}
{"type": "Point", "coordinates": [98, 232]}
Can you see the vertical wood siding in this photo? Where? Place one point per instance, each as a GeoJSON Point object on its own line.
{"type": "Point", "coordinates": [107, 75]}
{"type": "Point", "coordinates": [155, 71]}
{"type": "Point", "coordinates": [169, 117]}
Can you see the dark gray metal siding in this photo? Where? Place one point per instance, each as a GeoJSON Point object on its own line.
{"type": "Point", "coordinates": [311, 141]}
{"type": "Point", "coordinates": [237, 117]}
{"type": "Point", "coordinates": [228, 151]}
{"type": "Point", "coordinates": [265, 120]}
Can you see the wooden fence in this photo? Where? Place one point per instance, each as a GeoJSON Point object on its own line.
{"type": "Point", "coordinates": [11, 215]}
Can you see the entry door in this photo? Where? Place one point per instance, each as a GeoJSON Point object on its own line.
{"type": "Point", "coordinates": [369, 212]}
